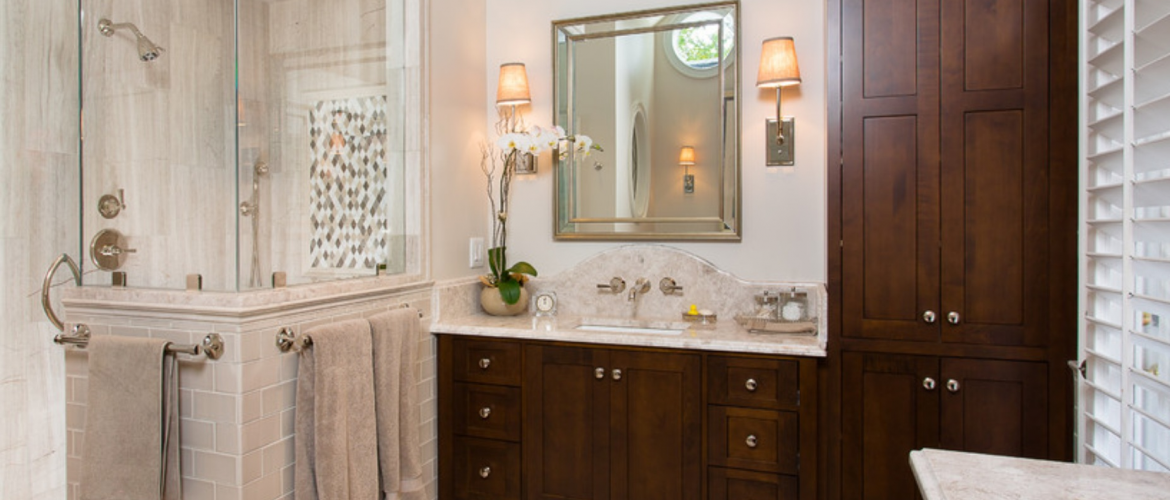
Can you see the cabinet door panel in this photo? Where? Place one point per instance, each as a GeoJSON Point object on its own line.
{"type": "Point", "coordinates": [887, 412]}
{"type": "Point", "coordinates": [733, 484]}
{"type": "Point", "coordinates": [655, 426]}
{"type": "Point", "coordinates": [999, 407]}
{"type": "Point", "coordinates": [566, 426]}
{"type": "Point", "coordinates": [486, 469]}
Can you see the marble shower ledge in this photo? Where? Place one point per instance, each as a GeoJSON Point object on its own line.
{"type": "Point", "coordinates": [949, 475]}
{"type": "Point", "coordinates": [726, 337]}
{"type": "Point", "coordinates": [233, 305]}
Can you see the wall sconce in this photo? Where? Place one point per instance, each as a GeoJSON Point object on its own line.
{"type": "Point", "coordinates": [779, 69]}
{"type": "Point", "coordinates": [512, 90]}
{"type": "Point", "coordinates": [686, 158]}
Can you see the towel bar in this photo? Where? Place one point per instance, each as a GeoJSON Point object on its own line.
{"type": "Point", "coordinates": [212, 345]}
{"type": "Point", "coordinates": [287, 339]}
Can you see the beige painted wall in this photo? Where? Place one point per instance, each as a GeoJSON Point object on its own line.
{"type": "Point", "coordinates": [458, 112]}
{"type": "Point", "coordinates": [784, 208]}
{"type": "Point", "coordinates": [39, 182]}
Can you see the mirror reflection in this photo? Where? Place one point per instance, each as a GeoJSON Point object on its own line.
{"type": "Point", "coordinates": [646, 85]}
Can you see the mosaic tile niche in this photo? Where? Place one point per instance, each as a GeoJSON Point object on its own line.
{"type": "Point", "coordinates": [347, 183]}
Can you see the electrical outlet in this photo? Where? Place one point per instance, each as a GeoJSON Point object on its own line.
{"type": "Point", "coordinates": [475, 253]}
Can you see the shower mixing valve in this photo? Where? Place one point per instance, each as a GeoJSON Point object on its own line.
{"type": "Point", "coordinates": [109, 250]}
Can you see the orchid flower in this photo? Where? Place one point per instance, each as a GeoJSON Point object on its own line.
{"type": "Point", "coordinates": [584, 143]}
{"type": "Point", "coordinates": [513, 142]}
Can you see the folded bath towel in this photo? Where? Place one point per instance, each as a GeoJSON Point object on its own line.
{"type": "Point", "coordinates": [131, 422]}
{"type": "Point", "coordinates": [336, 447]}
{"type": "Point", "coordinates": [395, 335]}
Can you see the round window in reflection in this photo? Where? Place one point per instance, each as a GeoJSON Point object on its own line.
{"type": "Point", "coordinates": [694, 50]}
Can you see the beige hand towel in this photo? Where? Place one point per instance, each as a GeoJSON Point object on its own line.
{"type": "Point", "coordinates": [336, 450]}
{"type": "Point", "coordinates": [395, 337]}
{"type": "Point", "coordinates": [131, 422]}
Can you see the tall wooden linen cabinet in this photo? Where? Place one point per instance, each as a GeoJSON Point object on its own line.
{"type": "Point", "coordinates": [952, 229]}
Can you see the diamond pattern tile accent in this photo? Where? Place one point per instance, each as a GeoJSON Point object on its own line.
{"type": "Point", "coordinates": [347, 182]}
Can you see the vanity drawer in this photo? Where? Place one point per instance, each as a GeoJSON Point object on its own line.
{"type": "Point", "coordinates": [487, 411]}
{"type": "Point", "coordinates": [753, 382]}
{"type": "Point", "coordinates": [760, 440]}
{"type": "Point", "coordinates": [486, 469]}
{"type": "Point", "coordinates": [487, 362]}
{"type": "Point", "coordinates": [732, 484]}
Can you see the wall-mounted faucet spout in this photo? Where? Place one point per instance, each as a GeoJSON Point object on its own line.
{"type": "Point", "coordinates": [641, 286]}
{"type": "Point", "coordinates": [147, 50]}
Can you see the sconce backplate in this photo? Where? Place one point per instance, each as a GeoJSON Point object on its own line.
{"type": "Point", "coordinates": [782, 153]}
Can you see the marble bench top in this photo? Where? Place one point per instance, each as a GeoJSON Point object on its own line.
{"type": "Point", "coordinates": [726, 336]}
{"type": "Point", "coordinates": [949, 475]}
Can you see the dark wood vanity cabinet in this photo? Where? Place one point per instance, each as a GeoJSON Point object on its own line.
{"type": "Point", "coordinates": [602, 422]}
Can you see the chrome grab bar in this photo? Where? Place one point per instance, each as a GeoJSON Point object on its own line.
{"type": "Point", "coordinates": [66, 259]}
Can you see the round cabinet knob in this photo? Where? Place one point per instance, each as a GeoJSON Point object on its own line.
{"type": "Point", "coordinates": [484, 363]}
{"type": "Point", "coordinates": [599, 373]}
{"type": "Point", "coordinates": [953, 385]}
{"type": "Point", "coordinates": [953, 318]}
{"type": "Point", "coordinates": [752, 441]}
{"type": "Point", "coordinates": [617, 374]}
{"type": "Point", "coordinates": [485, 412]}
{"type": "Point", "coordinates": [929, 317]}
{"type": "Point", "coordinates": [928, 383]}
{"type": "Point", "coordinates": [485, 472]}
{"type": "Point", "coordinates": [751, 385]}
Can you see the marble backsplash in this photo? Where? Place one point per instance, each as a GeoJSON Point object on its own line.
{"type": "Point", "coordinates": [703, 285]}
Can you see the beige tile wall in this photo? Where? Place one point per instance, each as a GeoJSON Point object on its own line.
{"type": "Point", "coordinates": [237, 412]}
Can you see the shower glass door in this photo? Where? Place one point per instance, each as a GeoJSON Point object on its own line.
{"type": "Point", "coordinates": [247, 142]}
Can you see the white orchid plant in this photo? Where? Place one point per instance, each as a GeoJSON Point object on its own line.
{"type": "Point", "coordinates": [499, 166]}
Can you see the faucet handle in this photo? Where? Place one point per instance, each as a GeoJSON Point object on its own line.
{"type": "Point", "coordinates": [669, 286]}
{"type": "Point", "coordinates": [616, 285]}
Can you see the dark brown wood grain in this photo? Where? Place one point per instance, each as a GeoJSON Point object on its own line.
{"type": "Point", "coordinates": [734, 484]}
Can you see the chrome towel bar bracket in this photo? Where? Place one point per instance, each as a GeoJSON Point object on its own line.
{"type": "Point", "coordinates": [288, 340]}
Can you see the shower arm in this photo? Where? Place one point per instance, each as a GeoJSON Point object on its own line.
{"type": "Point", "coordinates": [108, 28]}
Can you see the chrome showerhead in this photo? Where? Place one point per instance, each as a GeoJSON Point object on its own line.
{"type": "Point", "coordinates": [147, 50]}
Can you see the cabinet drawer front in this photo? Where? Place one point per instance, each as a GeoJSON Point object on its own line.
{"type": "Point", "coordinates": [486, 470]}
{"type": "Point", "coordinates": [732, 484]}
{"type": "Point", "coordinates": [761, 440]}
{"type": "Point", "coordinates": [487, 411]}
{"type": "Point", "coordinates": [756, 383]}
{"type": "Point", "coordinates": [487, 362]}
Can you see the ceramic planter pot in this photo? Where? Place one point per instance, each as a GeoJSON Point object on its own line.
{"type": "Point", "coordinates": [493, 303]}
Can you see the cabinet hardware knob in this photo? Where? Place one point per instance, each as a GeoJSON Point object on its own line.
{"type": "Point", "coordinates": [485, 472]}
{"type": "Point", "coordinates": [617, 374]}
{"type": "Point", "coordinates": [928, 383]}
{"type": "Point", "coordinates": [953, 318]}
{"type": "Point", "coordinates": [751, 385]}
{"type": "Point", "coordinates": [953, 385]}
{"type": "Point", "coordinates": [485, 412]}
{"type": "Point", "coordinates": [484, 363]}
{"type": "Point", "coordinates": [752, 441]}
{"type": "Point", "coordinates": [599, 373]}
{"type": "Point", "coordinates": [929, 317]}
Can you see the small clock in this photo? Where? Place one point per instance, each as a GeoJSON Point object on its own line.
{"type": "Point", "coordinates": [544, 304]}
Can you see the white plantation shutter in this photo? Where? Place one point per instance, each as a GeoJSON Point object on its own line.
{"type": "Point", "coordinates": [1124, 396]}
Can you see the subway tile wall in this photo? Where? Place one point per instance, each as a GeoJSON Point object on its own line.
{"type": "Point", "coordinates": [237, 412]}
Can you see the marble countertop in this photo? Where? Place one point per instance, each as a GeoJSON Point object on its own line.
{"type": "Point", "coordinates": [726, 336]}
{"type": "Point", "coordinates": [973, 476]}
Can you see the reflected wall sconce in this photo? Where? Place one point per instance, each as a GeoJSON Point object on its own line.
{"type": "Point", "coordinates": [779, 69]}
{"type": "Point", "coordinates": [686, 158]}
{"type": "Point", "coordinates": [512, 91]}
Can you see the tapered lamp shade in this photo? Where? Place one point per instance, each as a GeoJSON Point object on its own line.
{"type": "Point", "coordinates": [686, 156]}
{"type": "Point", "coordinates": [513, 87]}
{"type": "Point", "coordinates": [778, 67]}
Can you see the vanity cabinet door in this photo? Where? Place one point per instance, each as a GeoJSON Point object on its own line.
{"type": "Point", "coordinates": [995, 407]}
{"type": "Point", "coordinates": [566, 423]}
{"type": "Point", "coordinates": [656, 431]}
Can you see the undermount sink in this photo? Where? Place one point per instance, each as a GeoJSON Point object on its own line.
{"type": "Point", "coordinates": [650, 327]}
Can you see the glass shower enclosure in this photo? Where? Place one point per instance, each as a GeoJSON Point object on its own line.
{"type": "Point", "coordinates": [238, 145]}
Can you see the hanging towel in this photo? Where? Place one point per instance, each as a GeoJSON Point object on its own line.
{"type": "Point", "coordinates": [395, 336]}
{"type": "Point", "coordinates": [131, 422]}
{"type": "Point", "coordinates": [336, 449]}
